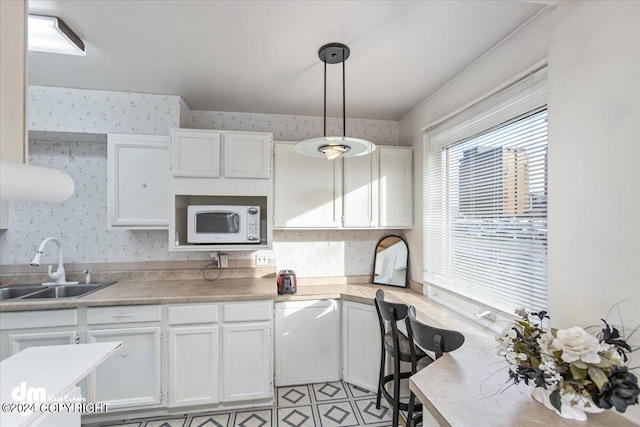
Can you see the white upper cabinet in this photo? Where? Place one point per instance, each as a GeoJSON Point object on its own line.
{"type": "Point", "coordinates": [138, 181]}
{"type": "Point", "coordinates": [307, 190]}
{"type": "Point", "coordinates": [373, 191]}
{"type": "Point", "coordinates": [395, 187]}
{"type": "Point", "coordinates": [195, 153]}
{"type": "Point", "coordinates": [247, 155]}
{"type": "Point", "coordinates": [360, 186]}
{"type": "Point", "coordinates": [215, 154]}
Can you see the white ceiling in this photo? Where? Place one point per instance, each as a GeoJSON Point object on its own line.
{"type": "Point", "coordinates": [261, 56]}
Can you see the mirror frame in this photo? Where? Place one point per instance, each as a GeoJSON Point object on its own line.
{"type": "Point", "coordinates": [375, 257]}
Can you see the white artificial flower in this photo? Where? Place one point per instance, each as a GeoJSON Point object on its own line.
{"type": "Point", "coordinates": [577, 344]}
{"type": "Point", "coordinates": [610, 352]}
{"type": "Point", "coordinates": [545, 341]}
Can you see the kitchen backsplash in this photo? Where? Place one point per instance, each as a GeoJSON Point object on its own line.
{"type": "Point", "coordinates": [81, 221]}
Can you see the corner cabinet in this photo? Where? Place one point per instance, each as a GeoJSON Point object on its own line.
{"type": "Point", "coordinates": [364, 192]}
{"type": "Point", "coordinates": [138, 181]}
{"type": "Point", "coordinates": [361, 345]}
{"type": "Point", "coordinates": [395, 187]}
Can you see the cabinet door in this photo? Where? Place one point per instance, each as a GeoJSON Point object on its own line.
{"type": "Point", "coordinates": [307, 342]}
{"type": "Point", "coordinates": [307, 190]}
{"type": "Point", "coordinates": [360, 191]}
{"type": "Point", "coordinates": [138, 181]}
{"type": "Point", "coordinates": [361, 345]}
{"type": "Point", "coordinates": [247, 155]}
{"type": "Point", "coordinates": [21, 341]}
{"type": "Point", "coordinates": [195, 153]}
{"type": "Point", "coordinates": [132, 376]}
{"type": "Point", "coordinates": [396, 187]}
{"type": "Point", "coordinates": [247, 361]}
{"type": "Point", "coordinates": [193, 365]}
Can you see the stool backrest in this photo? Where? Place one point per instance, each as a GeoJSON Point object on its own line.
{"type": "Point", "coordinates": [438, 340]}
{"type": "Point", "coordinates": [387, 309]}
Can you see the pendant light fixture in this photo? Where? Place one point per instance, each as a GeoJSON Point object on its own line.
{"type": "Point", "coordinates": [333, 147]}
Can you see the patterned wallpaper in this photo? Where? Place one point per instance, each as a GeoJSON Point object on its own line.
{"type": "Point", "coordinates": [99, 111]}
{"type": "Point", "coordinates": [81, 220]}
{"type": "Point", "coordinates": [296, 128]}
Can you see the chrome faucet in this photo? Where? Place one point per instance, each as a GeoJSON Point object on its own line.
{"type": "Point", "coordinates": [59, 275]}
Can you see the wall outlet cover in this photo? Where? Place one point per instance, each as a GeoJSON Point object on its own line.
{"type": "Point", "coordinates": [262, 258]}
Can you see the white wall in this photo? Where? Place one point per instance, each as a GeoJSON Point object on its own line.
{"type": "Point", "coordinates": [594, 162]}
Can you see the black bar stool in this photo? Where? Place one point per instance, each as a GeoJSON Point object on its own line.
{"type": "Point", "coordinates": [439, 341]}
{"type": "Point", "coordinates": [399, 347]}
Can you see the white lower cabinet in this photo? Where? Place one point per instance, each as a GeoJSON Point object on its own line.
{"type": "Point", "coordinates": [21, 341]}
{"type": "Point", "coordinates": [193, 355]}
{"type": "Point", "coordinates": [132, 377]}
{"type": "Point", "coordinates": [194, 365]}
{"type": "Point", "coordinates": [307, 342]}
{"type": "Point", "coordinates": [23, 329]}
{"type": "Point", "coordinates": [247, 362]}
{"type": "Point", "coordinates": [361, 345]}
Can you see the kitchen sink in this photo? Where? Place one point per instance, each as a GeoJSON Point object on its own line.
{"type": "Point", "coordinates": [17, 292]}
{"type": "Point", "coordinates": [63, 291]}
{"type": "Point", "coordinates": [20, 293]}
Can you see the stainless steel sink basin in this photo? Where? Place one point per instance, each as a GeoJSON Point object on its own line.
{"type": "Point", "coordinates": [21, 293]}
{"type": "Point", "coordinates": [17, 292]}
{"type": "Point", "coordinates": [64, 291]}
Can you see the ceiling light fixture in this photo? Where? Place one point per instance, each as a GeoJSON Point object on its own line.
{"type": "Point", "coordinates": [51, 34]}
{"type": "Point", "coordinates": [333, 147]}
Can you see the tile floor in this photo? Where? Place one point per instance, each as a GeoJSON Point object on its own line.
{"type": "Point", "coordinates": [335, 404]}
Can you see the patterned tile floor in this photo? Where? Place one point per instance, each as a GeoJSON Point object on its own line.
{"type": "Point", "coordinates": [335, 404]}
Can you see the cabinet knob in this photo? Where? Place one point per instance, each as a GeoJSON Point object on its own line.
{"type": "Point", "coordinates": [124, 354]}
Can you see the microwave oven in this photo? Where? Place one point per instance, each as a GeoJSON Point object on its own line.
{"type": "Point", "coordinates": [215, 224]}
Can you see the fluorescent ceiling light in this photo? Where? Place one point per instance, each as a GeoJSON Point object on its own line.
{"type": "Point", "coordinates": [50, 34]}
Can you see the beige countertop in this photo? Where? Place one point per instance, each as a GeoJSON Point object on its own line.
{"type": "Point", "coordinates": [458, 389]}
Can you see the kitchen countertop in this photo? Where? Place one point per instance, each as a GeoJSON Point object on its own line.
{"type": "Point", "coordinates": [459, 389]}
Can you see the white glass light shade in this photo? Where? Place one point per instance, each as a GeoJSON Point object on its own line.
{"type": "Point", "coordinates": [49, 34]}
{"type": "Point", "coordinates": [356, 147]}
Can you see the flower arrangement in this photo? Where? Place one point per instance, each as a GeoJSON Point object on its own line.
{"type": "Point", "coordinates": [570, 367]}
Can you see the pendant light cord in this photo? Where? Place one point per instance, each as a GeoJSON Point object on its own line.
{"type": "Point", "coordinates": [344, 97]}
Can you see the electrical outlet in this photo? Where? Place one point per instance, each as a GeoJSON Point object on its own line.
{"type": "Point", "coordinates": [262, 258]}
{"type": "Point", "coordinates": [223, 261]}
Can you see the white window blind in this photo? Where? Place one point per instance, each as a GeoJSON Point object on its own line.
{"type": "Point", "coordinates": [485, 193]}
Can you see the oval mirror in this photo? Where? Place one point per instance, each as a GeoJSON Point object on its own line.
{"type": "Point", "coordinates": [390, 261]}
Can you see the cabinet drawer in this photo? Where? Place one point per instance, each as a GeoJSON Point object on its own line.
{"type": "Point", "coordinates": [123, 314]}
{"type": "Point", "coordinates": [38, 319]}
{"type": "Point", "coordinates": [192, 314]}
{"type": "Point", "coordinates": [247, 311]}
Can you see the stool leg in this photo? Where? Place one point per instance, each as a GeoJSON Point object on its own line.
{"type": "Point", "coordinates": [412, 400]}
{"type": "Point", "coordinates": [381, 379]}
{"type": "Point", "coordinates": [396, 391]}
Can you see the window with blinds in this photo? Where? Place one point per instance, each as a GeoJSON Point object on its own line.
{"type": "Point", "coordinates": [485, 192]}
